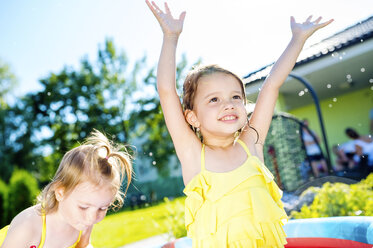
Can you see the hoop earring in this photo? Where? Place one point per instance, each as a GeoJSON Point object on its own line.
{"type": "Point", "coordinates": [237, 133]}
{"type": "Point", "coordinates": [198, 133]}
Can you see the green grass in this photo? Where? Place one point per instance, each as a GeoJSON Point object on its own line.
{"type": "Point", "coordinates": [130, 226]}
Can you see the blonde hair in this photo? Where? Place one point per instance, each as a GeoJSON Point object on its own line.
{"type": "Point", "coordinates": [98, 160]}
{"type": "Point", "coordinates": [191, 82]}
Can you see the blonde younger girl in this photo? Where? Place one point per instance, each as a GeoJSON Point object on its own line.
{"type": "Point", "coordinates": [232, 200]}
{"type": "Point", "coordinates": [87, 183]}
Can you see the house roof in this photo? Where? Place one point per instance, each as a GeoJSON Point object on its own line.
{"type": "Point", "coordinates": [350, 36]}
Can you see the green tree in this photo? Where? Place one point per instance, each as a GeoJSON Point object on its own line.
{"type": "Point", "coordinates": [7, 80]}
{"type": "Point", "coordinates": [73, 102]}
{"type": "Point", "coordinates": [23, 190]}
{"type": "Point", "coordinates": [147, 120]}
{"type": "Point", "coordinates": [3, 204]}
{"type": "Point", "coordinates": [8, 125]}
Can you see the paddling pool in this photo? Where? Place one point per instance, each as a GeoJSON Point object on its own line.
{"type": "Point", "coordinates": [331, 232]}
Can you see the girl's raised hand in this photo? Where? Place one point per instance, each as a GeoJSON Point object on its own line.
{"type": "Point", "coordinates": [307, 28]}
{"type": "Point", "coordinates": [170, 26]}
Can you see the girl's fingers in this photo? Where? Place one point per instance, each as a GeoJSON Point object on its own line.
{"type": "Point", "coordinates": [182, 16]}
{"type": "Point", "coordinates": [167, 8]}
{"type": "Point", "coordinates": [151, 7]}
{"type": "Point", "coordinates": [156, 7]}
{"type": "Point", "coordinates": [321, 25]}
{"type": "Point", "coordinates": [317, 20]}
{"type": "Point", "coordinates": [309, 18]}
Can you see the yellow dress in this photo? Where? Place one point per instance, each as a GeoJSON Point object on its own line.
{"type": "Point", "coordinates": [4, 231]}
{"type": "Point", "coordinates": [239, 208]}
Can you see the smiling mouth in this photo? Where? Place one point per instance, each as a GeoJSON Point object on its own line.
{"type": "Point", "coordinates": [228, 118]}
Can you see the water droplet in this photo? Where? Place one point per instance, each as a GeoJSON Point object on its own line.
{"type": "Point", "coordinates": [349, 80]}
{"type": "Point", "coordinates": [330, 105]}
{"type": "Point", "coordinates": [340, 57]}
{"type": "Point", "coordinates": [154, 163]}
{"type": "Point", "coordinates": [305, 90]}
{"type": "Point", "coordinates": [348, 76]}
{"type": "Point", "coordinates": [371, 88]}
{"type": "Point", "coordinates": [371, 80]}
{"type": "Point", "coordinates": [301, 93]}
{"type": "Point", "coordinates": [334, 99]}
{"type": "Point", "coordinates": [362, 69]}
{"type": "Point", "coordinates": [297, 131]}
{"type": "Point", "coordinates": [48, 93]}
{"type": "Point", "coordinates": [150, 154]}
{"type": "Point", "coordinates": [361, 40]}
{"type": "Point", "coordinates": [328, 86]}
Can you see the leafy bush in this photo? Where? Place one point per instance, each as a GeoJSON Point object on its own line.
{"type": "Point", "coordinates": [23, 189]}
{"type": "Point", "coordinates": [340, 199]}
{"type": "Point", "coordinates": [174, 223]}
{"type": "Point", "coordinates": [3, 204]}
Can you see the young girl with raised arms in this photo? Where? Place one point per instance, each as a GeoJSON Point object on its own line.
{"type": "Point", "coordinates": [232, 199]}
{"type": "Point", "coordinates": [87, 183]}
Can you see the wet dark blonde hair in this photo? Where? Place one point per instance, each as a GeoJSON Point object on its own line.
{"type": "Point", "coordinates": [191, 82]}
{"type": "Point", "coordinates": [99, 161]}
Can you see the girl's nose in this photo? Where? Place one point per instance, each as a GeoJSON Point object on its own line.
{"type": "Point", "coordinates": [228, 105]}
{"type": "Point", "coordinates": [91, 217]}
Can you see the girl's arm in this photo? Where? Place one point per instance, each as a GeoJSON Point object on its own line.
{"type": "Point", "coordinates": [262, 114]}
{"type": "Point", "coordinates": [85, 239]}
{"type": "Point", "coordinates": [185, 141]}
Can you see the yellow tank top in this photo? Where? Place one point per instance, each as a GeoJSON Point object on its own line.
{"type": "Point", "coordinates": [239, 208]}
{"type": "Point", "coordinates": [4, 231]}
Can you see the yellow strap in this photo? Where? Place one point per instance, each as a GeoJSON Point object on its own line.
{"type": "Point", "coordinates": [267, 174]}
{"type": "Point", "coordinates": [244, 147]}
{"type": "Point", "coordinates": [43, 231]}
{"type": "Point", "coordinates": [74, 245]}
{"type": "Point", "coordinates": [3, 233]}
{"type": "Point", "coordinates": [203, 157]}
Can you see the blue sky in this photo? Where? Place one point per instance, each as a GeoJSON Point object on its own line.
{"type": "Point", "coordinates": [42, 36]}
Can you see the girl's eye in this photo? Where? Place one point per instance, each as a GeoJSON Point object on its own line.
{"type": "Point", "coordinates": [214, 99]}
{"type": "Point", "coordinates": [103, 209]}
{"type": "Point", "coordinates": [237, 97]}
{"type": "Point", "coordinates": [83, 208]}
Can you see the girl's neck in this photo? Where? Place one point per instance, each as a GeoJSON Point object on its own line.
{"type": "Point", "coordinates": [59, 224]}
{"type": "Point", "coordinates": [219, 142]}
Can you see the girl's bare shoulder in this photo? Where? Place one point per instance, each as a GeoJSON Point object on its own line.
{"type": "Point", "coordinates": [25, 228]}
{"type": "Point", "coordinates": [249, 135]}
